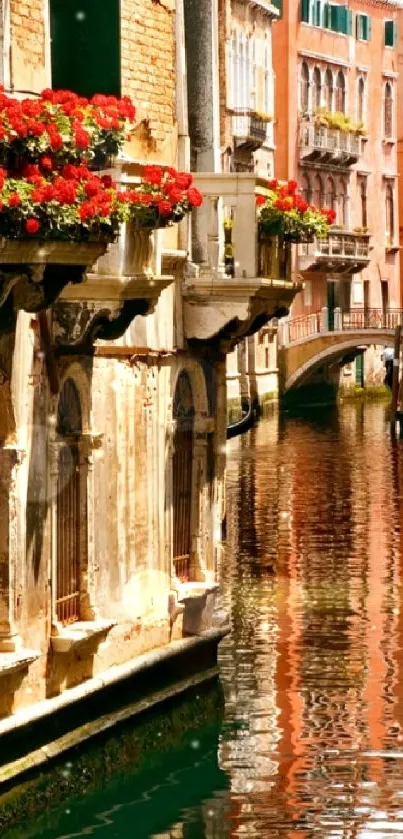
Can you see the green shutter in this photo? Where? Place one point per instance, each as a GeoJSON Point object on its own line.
{"type": "Point", "coordinates": [278, 5]}
{"type": "Point", "coordinates": [390, 33]}
{"type": "Point", "coordinates": [369, 28]}
{"type": "Point", "coordinates": [349, 22]}
{"type": "Point", "coordinates": [326, 16]}
{"type": "Point", "coordinates": [335, 18]}
{"type": "Point", "coordinates": [305, 11]}
{"type": "Point", "coordinates": [358, 26]}
{"type": "Point", "coordinates": [85, 46]}
{"type": "Point", "coordinates": [318, 13]}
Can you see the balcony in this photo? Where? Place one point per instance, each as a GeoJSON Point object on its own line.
{"type": "Point", "coordinates": [125, 282]}
{"type": "Point", "coordinates": [342, 252]}
{"type": "Point", "coordinates": [248, 130]}
{"type": "Point", "coordinates": [320, 144]}
{"type": "Point", "coordinates": [236, 284]}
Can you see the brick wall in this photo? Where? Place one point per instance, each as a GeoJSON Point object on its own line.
{"type": "Point", "coordinates": [148, 62]}
{"type": "Point", "coordinates": [28, 46]}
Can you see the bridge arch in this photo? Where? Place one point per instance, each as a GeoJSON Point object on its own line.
{"type": "Point", "coordinates": [320, 350]}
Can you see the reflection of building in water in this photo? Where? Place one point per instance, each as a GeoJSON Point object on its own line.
{"type": "Point", "coordinates": [315, 683]}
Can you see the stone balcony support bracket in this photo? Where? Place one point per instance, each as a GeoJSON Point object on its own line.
{"type": "Point", "coordinates": [226, 311]}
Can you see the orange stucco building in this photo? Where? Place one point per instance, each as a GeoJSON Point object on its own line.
{"type": "Point", "coordinates": [332, 60]}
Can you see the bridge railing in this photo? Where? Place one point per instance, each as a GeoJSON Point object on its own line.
{"type": "Point", "coordinates": [372, 319]}
{"type": "Point", "coordinates": [297, 329]}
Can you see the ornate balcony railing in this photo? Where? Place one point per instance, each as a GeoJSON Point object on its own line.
{"type": "Point", "coordinates": [342, 252]}
{"type": "Point", "coordinates": [323, 144]}
{"type": "Point", "coordinates": [292, 330]}
{"type": "Point", "coordinates": [248, 129]}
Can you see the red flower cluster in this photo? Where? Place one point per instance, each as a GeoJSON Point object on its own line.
{"type": "Point", "coordinates": [285, 212]}
{"type": "Point", "coordinates": [48, 188]}
{"type": "Point", "coordinates": [329, 214]}
{"type": "Point", "coordinates": [65, 124]}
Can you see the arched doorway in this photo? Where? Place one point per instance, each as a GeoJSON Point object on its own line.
{"type": "Point", "coordinates": [183, 415]}
{"type": "Point", "coordinates": [71, 530]}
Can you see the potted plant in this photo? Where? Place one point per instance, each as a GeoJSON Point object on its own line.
{"type": "Point", "coordinates": [285, 217]}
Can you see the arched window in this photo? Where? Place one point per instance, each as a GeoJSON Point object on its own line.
{"type": "Point", "coordinates": [182, 472]}
{"type": "Point", "coordinates": [361, 100]}
{"type": "Point", "coordinates": [330, 197]}
{"type": "Point", "coordinates": [306, 189]}
{"type": "Point", "coordinates": [318, 196]}
{"type": "Point", "coordinates": [340, 92]}
{"type": "Point", "coordinates": [71, 509]}
{"type": "Point", "coordinates": [316, 89]}
{"type": "Point", "coordinates": [388, 111]}
{"type": "Point", "coordinates": [343, 204]}
{"type": "Point", "coordinates": [328, 91]}
{"type": "Point", "coordinates": [304, 87]}
{"type": "Point", "coordinates": [390, 216]}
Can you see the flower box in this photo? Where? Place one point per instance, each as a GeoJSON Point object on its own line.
{"type": "Point", "coordinates": [275, 258]}
{"type": "Point", "coordinates": [130, 256]}
{"type": "Point", "coordinates": [20, 252]}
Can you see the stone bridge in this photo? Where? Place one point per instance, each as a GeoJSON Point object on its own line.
{"type": "Point", "coordinates": [316, 341]}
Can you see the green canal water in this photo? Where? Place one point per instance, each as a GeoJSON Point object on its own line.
{"type": "Point", "coordinates": [310, 741]}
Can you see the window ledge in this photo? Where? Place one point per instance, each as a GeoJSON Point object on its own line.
{"type": "Point", "coordinates": [190, 591]}
{"type": "Point", "coordinates": [392, 248]}
{"type": "Point", "coordinates": [11, 662]}
{"type": "Point", "coordinates": [71, 636]}
{"type": "Point", "coordinates": [389, 141]}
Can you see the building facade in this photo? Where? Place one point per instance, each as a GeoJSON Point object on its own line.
{"type": "Point", "coordinates": [112, 389]}
{"type": "Point", "coordinates": [337, 134]}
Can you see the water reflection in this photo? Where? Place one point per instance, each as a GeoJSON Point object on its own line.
{"type": "Point", "coordinates": [318, 643]}
{"type": "Point", "coordinates": [312, 742]}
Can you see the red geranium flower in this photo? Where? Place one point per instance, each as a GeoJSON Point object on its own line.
{"type": "Point", "coordinates": [183, 180]}
{"type": "Point", "coordinates": [14, 200]}
{"type": "Point", "coordinates": [153, 175]}
{"type": "Point", "coordinates": [260, 199]}
{"type": "Point", "coordinates": [32, 226]}
{"type": "Point", "coordinates": [165, 208]}
{"type": "Point", "coordinates": [195, 197]}
{"type": "Point", "coordinates": [82, 139]}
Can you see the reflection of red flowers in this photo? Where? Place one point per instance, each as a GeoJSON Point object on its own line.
{"type": "Point", "coordinates": [195, 197]}
{"type": "Point", "coordinates": [260, 199]}
{"type": "Point", "coordinates": [32, 226]}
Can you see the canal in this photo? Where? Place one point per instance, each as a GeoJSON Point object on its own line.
{"type": "Point", "coordinates": [311, 739]}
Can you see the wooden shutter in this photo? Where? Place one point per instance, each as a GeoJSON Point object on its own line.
{"type": "Point", "coordinates": [349, 22]}
{"type": "Point", "coordinates": [326, 16]}
{"type": "Point", "coordinates": [369, 28]}
{"type": "Point", "coordinates": [390, 33]}
{"type": "Point", "coordinates": [85, 46]}
{"type": "Point", "coordinates": [305, 11]}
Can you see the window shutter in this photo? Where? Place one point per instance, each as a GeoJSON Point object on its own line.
{"type": "Point", "coordinates": [335, 18]}
{"type": "Point", "coordinates": [389, 33]}
{"type": "Point", "coordinates": [369, 28]}
{"type": "Point", "coordinates": [326, 16]}
{"type": "Point", "coordinates": [349, 22]}
{"type": "Point", "coordinates": [317, 14]}
{"type": "Point", "coordinates": [278, 5]}
{"type": "Point", "coordinates": [305, 11]}
{"type": "Point", "coordinates": [358, 26]}
{"type": "Point", "coordinates": [85, 51]}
